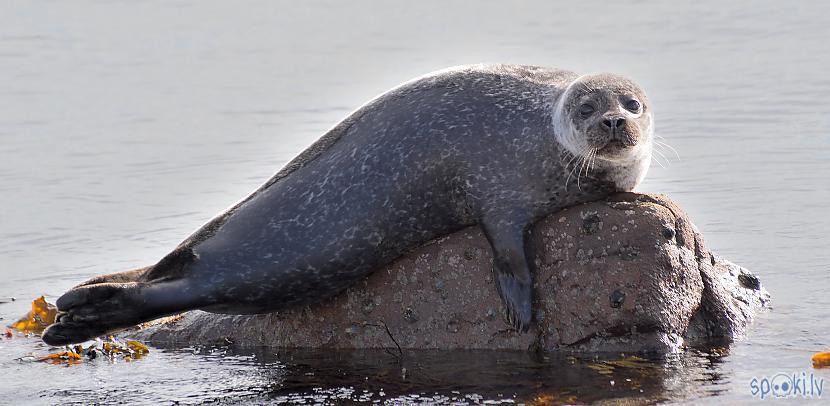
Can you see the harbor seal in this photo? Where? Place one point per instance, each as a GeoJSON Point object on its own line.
{"type": "Point", "coordinates": [495, 145]}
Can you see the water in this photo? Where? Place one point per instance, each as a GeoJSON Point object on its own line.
{"type": "Point", "coordinates": [124, 126]}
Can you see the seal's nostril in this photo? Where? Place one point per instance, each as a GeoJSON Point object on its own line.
{"type": "Point", "coordinates": [615, 122]}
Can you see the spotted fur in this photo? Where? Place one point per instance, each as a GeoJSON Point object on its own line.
{"type": "Point", "coordinates": [493, 145]}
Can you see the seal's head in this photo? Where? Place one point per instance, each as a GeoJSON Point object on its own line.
{"type": "Point", "coordinates": [605, 115]}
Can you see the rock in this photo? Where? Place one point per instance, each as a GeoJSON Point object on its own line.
{"type": "Point", "coordinates": [630, 273]}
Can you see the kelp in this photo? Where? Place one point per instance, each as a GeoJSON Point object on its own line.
{"type": "Point", "coordinates": [631, 363]}
{"type": "Point", "coordinates": [41, 316]}
{"type": "Point", "coordinates": [545, 399]}
{"type": "Point", "coordinates": [68, 357]}
{"type": "Point", "coordinates": [821, 360]}
{"type": "Point", "coordinates": [44, 314]}
{"type": "Point", "coordinates": [111, 348]}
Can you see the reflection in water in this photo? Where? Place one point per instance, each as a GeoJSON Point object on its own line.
{"type": "Point", "coordinates": [415, 377]}
{"type": "Point", "coordinates": [193, 375]}
{"type": "Point", "coordinates": [468, 376]}
{"type": "Point", "coordinates": [476, 376]}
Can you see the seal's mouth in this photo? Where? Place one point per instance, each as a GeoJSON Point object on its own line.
{"type": "Point", "coordinates": [614, 148]}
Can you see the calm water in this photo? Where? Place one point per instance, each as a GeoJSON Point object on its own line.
{"type": "Point", "coordinates": [124, 126]}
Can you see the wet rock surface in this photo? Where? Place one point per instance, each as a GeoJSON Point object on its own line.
{"type": "Point", "coordinates": [630, 273]}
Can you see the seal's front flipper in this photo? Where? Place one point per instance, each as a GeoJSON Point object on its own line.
{"type": "Point", "coordinates": [511, 270]}
{"type": "Point", "coordinates": [516, 295]}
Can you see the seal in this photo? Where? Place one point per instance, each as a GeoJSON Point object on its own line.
{"type": "Point", "coordinates": [494, 145]}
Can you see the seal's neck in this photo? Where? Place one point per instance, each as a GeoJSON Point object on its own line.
{"type": "Point", "coordinates": [627, 174]}
{"type": "Point", "coordinates": [563, 130]}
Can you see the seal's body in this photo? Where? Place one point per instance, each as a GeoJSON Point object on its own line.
{"type": "Point", "coordinates": [498, 146]}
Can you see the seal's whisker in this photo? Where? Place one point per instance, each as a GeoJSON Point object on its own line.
{"type": "Point", "coordinates": [579, 174]}
{"type": "Point", "coordinates": [573, 156]}
{"type": "Point", "coordinates": [669, 147]}
{"type": "Point", "coordinates": [573, 168]}
{"type": "Point", "coordinates": [585, 159]}
{"type": "Point", "coordinates": [589, 159]}
{"type": "Point", "coordinates": [666, 144]}
{"type": "Point", "coordinates": [593, 164]}
{"type": "Point", "coordinates": [568, 178]}
{"type": "Point", "coordinates": [571, 172]}
{"type": "Point", "coordinates": [587, 87]}
{"type": "Point", "coordinates": [662, 156]}
{"type": "Point", "coordinates": [579, 155]}
{"type": "Point", "coordinates": [659, 143]}
{"type": "Point", "coordinates": [594, 158]}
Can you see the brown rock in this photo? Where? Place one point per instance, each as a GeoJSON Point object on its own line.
{"type": "Point", "coordinates": [630, 273]}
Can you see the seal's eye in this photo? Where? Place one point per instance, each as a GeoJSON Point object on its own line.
{"type": "Point", "coordinates": [586, 110]}
{"type": "Point", "coordinates": [633, 105]}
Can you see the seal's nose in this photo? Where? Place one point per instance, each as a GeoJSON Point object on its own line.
{"type": "Point", "coordinates": [612, 123]}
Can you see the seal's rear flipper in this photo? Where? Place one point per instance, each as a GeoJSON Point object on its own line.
{"type": "Point", "coordinates": [172, 265]}
{"type": "Point", "coordinates": [65, 333]}
{"type": "Point", "coordinates": [89, 311]}
{"type": "Point", "coordinates": [134, 275]}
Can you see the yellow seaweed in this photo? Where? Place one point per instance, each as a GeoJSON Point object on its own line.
{"type": "Point", "coordinates": [545, 399]}
{"type": "Point", "coordinates": [821, 360]}
{"type": "Point", "coordinates": [602, 368]}
{"type": "Point", "coordinates": [138, 347]}
{"type": "Point", "coordinates": [63, 355]}
{"type": "Point", "coordinates": [632, 362]}
{"type": "Point", "coordinates": [111, 349]}
{"type": "Point", "coordinates": [41, 316]}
